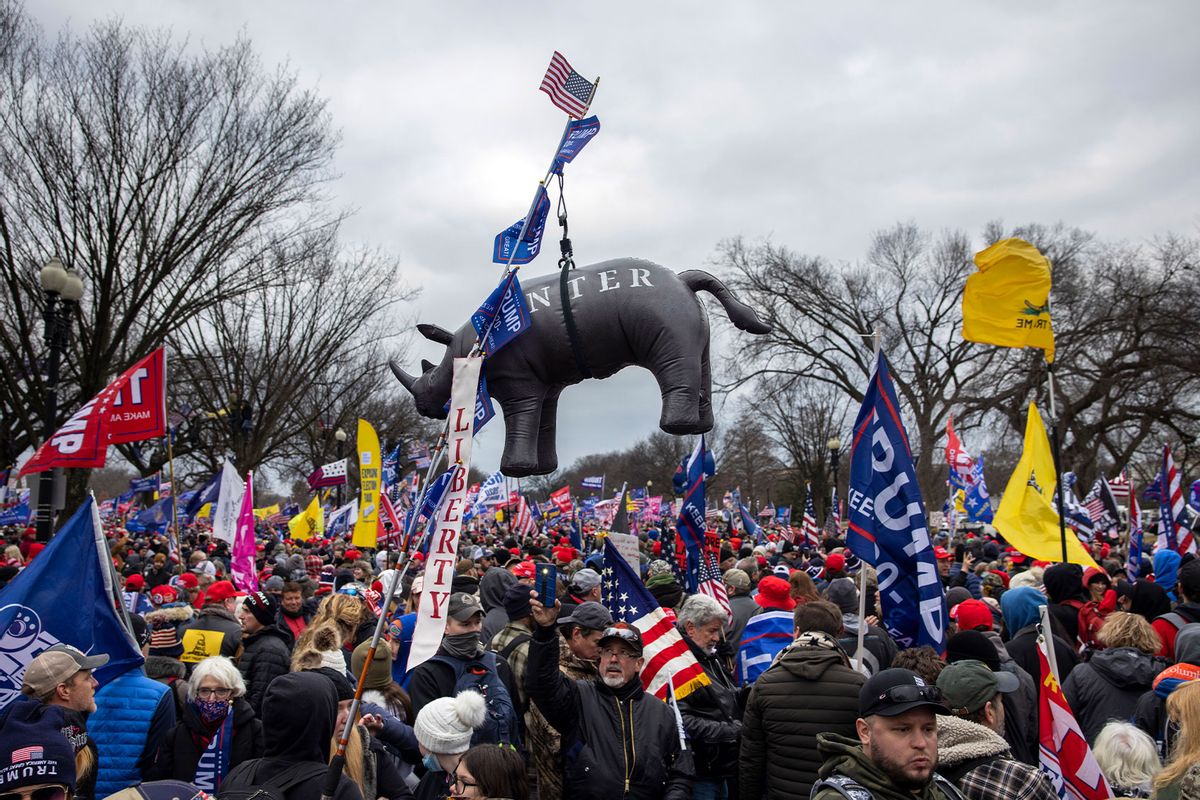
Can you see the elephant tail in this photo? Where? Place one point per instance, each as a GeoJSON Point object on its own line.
{"type": "Point", "coordinates": [741, 315]}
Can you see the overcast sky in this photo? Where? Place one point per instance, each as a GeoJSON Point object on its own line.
{"type": "Point", "coordinates": [813, 124]}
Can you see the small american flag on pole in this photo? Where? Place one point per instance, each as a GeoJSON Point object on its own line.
{"type": "Point", "coordinates": [711, 583]}
{"type": "Point", "coordinates": [808, 525]}
{"type": "Point", "coordinates": [567, 89]}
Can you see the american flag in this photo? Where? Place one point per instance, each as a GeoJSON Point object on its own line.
{"type": "Point", "coordinates": [1102, 506]}
{"type": "Point", "coordinates": [33, 753]}
{"type": "Point", "coordinates": [833, 520]}
{"type": "Point", "coordinates": [1133, 566]}
{"type": "Point", "coordinates": [567, 89]}
{"type": "Point", "coordinates": [1173, 527]}
{"type": "Point", "coordinates": [523, 520]}
{"type": "Point", "coordinates": [668, 659]}
{"type": "Point", "coordinates": [1120, 486]}
{"type": "Point", "coordinates": [808, 525]}
{"type": "Point", "coordinates": [711, 583]}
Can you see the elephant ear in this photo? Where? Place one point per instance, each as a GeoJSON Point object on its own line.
{"type": "Point", "coordinates": [435, 333]}
{"type": "Point", "coordinates": [426, 366]}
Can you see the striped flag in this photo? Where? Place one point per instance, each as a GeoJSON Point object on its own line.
{"type": "Point", "coordinates": [567, 89]}
{"type": "Point", "coordinates": [1064, 754]}
{"type": "Point", "coordinates": [669, 662]}
{"type": "Point", "coordinates": [808, 524]}
{"type": "Point", "coordinates": [523, 520]}
{"type": "Point", "coordinates": [1101, 504]}
{"type": "Point", "coordinates": [332, 474]}
{"type": "Point", "coordinates": [765, 636]}
{"type": "Point", "coordinates": [1174, 530]}
{"type": "Point", "coordinates": [1133, 566]}
{"type": "Point", "coordinates": [1120, 486]}
{"type": "Point", "coordinates": [711, 583]}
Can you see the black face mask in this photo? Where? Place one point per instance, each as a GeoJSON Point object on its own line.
{"type": "Point", "coordinates": [462, 645]}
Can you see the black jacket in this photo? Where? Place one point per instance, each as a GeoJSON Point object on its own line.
{"type": "Point", "coordinates": [267, 655]}
{"type": "Point", "coordinates": [711, 720]}
{"type": "Point", "coordinates": [299, 712]}
{"type": "Point", "coordinates": [617, 743]}
{"type": "Point", "coordinates": [1023, 648]}
{"type": "Point", "coordinates": [180, 750]}
{"type": "Point", "coordinates": [1109, 686]}
{"type": "Point", "coordinates": [216, 618]}
{"type": "Point", "coordinates": [433, 679]}
{"type": "Point", "coordinates": [806, 692]}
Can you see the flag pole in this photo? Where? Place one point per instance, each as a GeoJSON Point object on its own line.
{"type": "Point", "coordinates": [877, 336]}
{"type": "Point", "coordinates": [174, 537]}
{"type": "Point", "coordinates": [1056, 451]}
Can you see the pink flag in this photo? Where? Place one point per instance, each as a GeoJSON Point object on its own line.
{"type": "Point", "coordinates": [241, 568]}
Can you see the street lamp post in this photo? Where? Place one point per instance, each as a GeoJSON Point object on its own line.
{"type": "Point", "coordinates": [835, 455]}
{"type": "Point", "coordinates": [340, 436]}
{"type": "Point", "coordinates": [63, 290]}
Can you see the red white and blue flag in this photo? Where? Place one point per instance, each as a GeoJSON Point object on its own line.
{"type": "Point", "coordinates": [332, 474]}
{"type": "Point", "coordinates": [562, 500]}
{"type": "Point", "coordinates": [711, 583]}
{"type": "Point", "coordinates": [1063, 753]}
{"type": "Point", "coordinates": [1133, 566]}
{"type": "Point", "coordinates": [1173, 528]}
{"type": "Point", "coordinates": [566, 88]}
{"type": "Point", "coordinates": [808, 523]}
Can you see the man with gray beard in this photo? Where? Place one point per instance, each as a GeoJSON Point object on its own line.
{"type": "Point", "coordinates": [618, 741]}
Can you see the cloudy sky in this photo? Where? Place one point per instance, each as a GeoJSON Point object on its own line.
{"type": "Point", "coordinates": [813, 124]}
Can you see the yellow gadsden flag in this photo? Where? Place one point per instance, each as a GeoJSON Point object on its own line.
{"type": "Point", "coordinates": [269, 511]}
{"type": "Point", "coordinates": [309, 522]}
{"type": "Point", "coordinates": [1008, 301]}
{"type": "Point", "coordinates": [1026, 516]}
{"type": "Point", "coordinates": [370, 479]}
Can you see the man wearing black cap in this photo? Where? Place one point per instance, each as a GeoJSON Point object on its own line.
{"type": "Point", "coordinates": [895, 756]}
{"type": "Point", "coordinates": [268, 647]}
{"type": "Point", "coordinates": [618, 741]}
{"type": "Point", "coordinates": [972, 751]}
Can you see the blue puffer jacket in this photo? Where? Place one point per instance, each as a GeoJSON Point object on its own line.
{"type": "Point", "coordinates": [129, 721]}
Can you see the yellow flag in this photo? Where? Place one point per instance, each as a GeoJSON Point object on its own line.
{"type": "Point", "coordinates": [269, 511]}
{"type": "Point", "coordinates": [1007, 302]}
{"type": "Point", "coordinates": [205, 511]}
{"type": "Point", "coordinates": [1026, 516]}
{"type": "Point", "coordinates": [309, 522]}
{"type": "Point", "coordinates": [960, 501]}
{"type": "Point", "coordinates": [370, 477]}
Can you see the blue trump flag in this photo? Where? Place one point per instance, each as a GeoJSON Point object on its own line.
{"type": "Point", "coordinates": [750, 525]}
{"type": "Point", "coordinates": [887, 522]}
{"type": "Point", "coordinates": [157, 517]}
{"type": "Point", "coordinates": [530, 244]}
{"type": "Point", "coordinates": [205, 495]}
{"type": "Point", "coordinates": [690, 523]}
{"type": "Point", "coordinates": [503, 315]}
{"type": "Point", "coordinates": [579, 132]}
{"type": "Point", "coordinates": [976, 498]}
{"type": "Point", "coordinates": [60, 598]}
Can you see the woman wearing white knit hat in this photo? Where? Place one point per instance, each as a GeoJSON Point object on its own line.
{"type": "Point", "coordinates": [443, 730]}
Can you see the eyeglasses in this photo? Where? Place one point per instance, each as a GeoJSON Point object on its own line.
{"type": "Point", "coordinates": [459, 785]}
{"type": "Point", "coordinates": [612, 652]}
{"type": "Point", "coordinates": [911, 694]}
{"type": "Point", "coordinates": [37, 793]}
{"type": "Point", "coordinates": [221, 693]}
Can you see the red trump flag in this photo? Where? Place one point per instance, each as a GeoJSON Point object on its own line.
{"type": "Point", "coordinates": [130, 409]}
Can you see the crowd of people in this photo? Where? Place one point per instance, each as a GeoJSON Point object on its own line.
{"type": "Point", "coordinates": [247, 693]}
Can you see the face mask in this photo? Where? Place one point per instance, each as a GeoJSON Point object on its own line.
{"type": "Point", "coordinates": [212, 710]}
{"type": "Point", "coordinates": [463, 645]}
{"type": "Point", "coordinates": [431, 763]}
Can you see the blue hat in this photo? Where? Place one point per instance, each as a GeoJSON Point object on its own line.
{"type": "Point", "coordinates": [33, 748]}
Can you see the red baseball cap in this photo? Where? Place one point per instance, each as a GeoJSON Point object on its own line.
{"type": "Point", "coordinates": [135, 583]}
{"type": "Point", "coordinates": [524, 570]}
{"type": "Point", "coordinates": [835, 562]}
{"type": "Point", "coordinates": [221, 591]}
{"type": "Point", "coordinates": [972, 614]}
{"type": "Point", "coordinates": [189, 580]}
{"type": "Point", "coordinates": [941, 553]}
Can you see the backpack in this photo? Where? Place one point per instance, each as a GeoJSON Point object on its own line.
{"type": "Point", "coordinates": [851, 790]}
{"type": "Point", "coordinates": [501, 725]}
{"type": "Point", "coordinates": [1178, 618]}
{"type": "Point", "coordinates": [1090, 621]}
{"type": "Point", "coordinates": [242, 781]}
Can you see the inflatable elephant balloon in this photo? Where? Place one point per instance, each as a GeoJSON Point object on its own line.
{"type": "Point", "coordinates": [626, 312]}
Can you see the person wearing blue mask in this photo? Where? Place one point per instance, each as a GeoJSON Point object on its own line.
{"type": "Point", "coordinates": [443, 730]}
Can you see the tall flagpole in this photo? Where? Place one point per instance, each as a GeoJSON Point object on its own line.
{"type": "Point", "coordinates": [1056, 451]}
{"type": "Point", "coordinates": [859, 651]}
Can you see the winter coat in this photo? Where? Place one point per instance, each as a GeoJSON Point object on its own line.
{"type": "Point", "coordinates": [742, 607]}
{"type": "Point", "coordinates": [543, 741]}
{"type": "Point", "coordinates": [1020, 707]}
{"type": "Point", "coordinates": [166, 624]}
{"type": "Point", "coordinates": [183, 745]}
{"type": "Point", "coordinates": [844, 756]}
{"type": "Point", "coordinates": [806, 692]}
{"type": "Point", "coordinates": [492, 586]}
{"type": "Point", "coordinates": [267, 655]}
{"type": "Point", "coordinates": [977, 760]}
{"type": "Point", "coordinates": [711, 720]}
{"type": "Point", "coordinates": [215, 618]}
{"type": "Point", "coordinates": [299, 712]}
{"type": "Point", "coordinates": [1151, 712]}
{"type": "Point", "coordinates": [617, 743]}
{"type": "Point", "coordinates": [133, 714]}
{"type": "Point", "coordinates": [1023, 648]}
{"type": "Point", "coordinates": [1108, 686]}
{"type": "Point", "coordinates": [1166, 628]}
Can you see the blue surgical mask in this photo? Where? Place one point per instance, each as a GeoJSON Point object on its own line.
{"type": "Point", "coordinates": [431, 763]}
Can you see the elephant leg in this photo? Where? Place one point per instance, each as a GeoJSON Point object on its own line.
{"type": "Point", "coordinates": [522, 418]}
{"type": "Point", "coordinates": [547, 445]}
{"type": "Point", "coordinates": [679, 382]}
{"type": "Point", "coordinates": [706, 409]}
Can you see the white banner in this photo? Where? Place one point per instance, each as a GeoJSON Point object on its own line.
{"type": "Point", "coordinates": [447, 523]}
{"type": "Point", "coordinates": [627, 546]}
{"type": "Point", "coordinates": [229, 504]}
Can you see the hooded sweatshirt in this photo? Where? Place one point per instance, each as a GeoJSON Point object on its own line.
{"type": "Point", "coordinates": [844, 756]}
{"type": "Point", "coordinates": [298, 715]}
{"type": "Point", "coordinates": [1020, 609]}
{"type": "Point", "coordinates": [1109, 686]}
{"type": "Point", "coordinates": [492, 587]}
{"type": "Point", "coordinates": [1151, 712]}
{"type": "Point", "coordinates": [1166, 570]}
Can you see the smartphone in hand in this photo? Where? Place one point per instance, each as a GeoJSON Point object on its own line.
{"type": "Point", "coordinates": [546, 584]}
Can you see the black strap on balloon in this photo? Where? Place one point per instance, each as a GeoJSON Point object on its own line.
{"type": "Point", "coordinates": [565, 264]}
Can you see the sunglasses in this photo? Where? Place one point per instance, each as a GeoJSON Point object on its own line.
{"type": "Point", "coordinates": [40, 793]}
{"type": "Point", "coordinates": [628, 634]}
{"type": "Point", "coordinates": [911, 694]}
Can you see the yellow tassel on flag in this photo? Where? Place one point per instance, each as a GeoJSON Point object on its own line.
{"type": "Point", "coordinates": [1007, 302]}
{"type": "Point", "coordinates": [1026, 516]}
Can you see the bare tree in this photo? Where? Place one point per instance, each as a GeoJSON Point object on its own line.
{"type": "Point", "coordinates": [170, 181]}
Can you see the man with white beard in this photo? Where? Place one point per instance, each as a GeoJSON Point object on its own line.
{"type": "Point", "coordinates": [617, 741]}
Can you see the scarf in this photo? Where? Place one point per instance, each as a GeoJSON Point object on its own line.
{"type": "Point", "coordinates": [818, 639]}
{"type": "Point", "coordinates": [214, 761]}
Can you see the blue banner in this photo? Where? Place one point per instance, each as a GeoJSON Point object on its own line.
{"type": "Point", "coordinates": [887, 521]}
{"type": "Point", "coordinates": [690, 522]}
{"type": "Point", "coordinates": [976, 499]}
{"type": "Point", "coordinates": [749, 524]}
{"type": "Point", "coordinates": [155, 518]}
{"type": "Point", "coordinates": [597, 482]}
{"type": "Point", "coordinates": [506, 306]}
{"type": "Point", "coordinates": [16, 515]}
{"type": "Point", "coordinates": [530, 244]}
{"type": "Point", "coordinates": [35, 612]}
{"type": "Point", "coordinates": [149, 484]}
{"type": "Point", "coordinates": [579, 133]}
{"type": "Point", "coordinates": [206, 494]}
